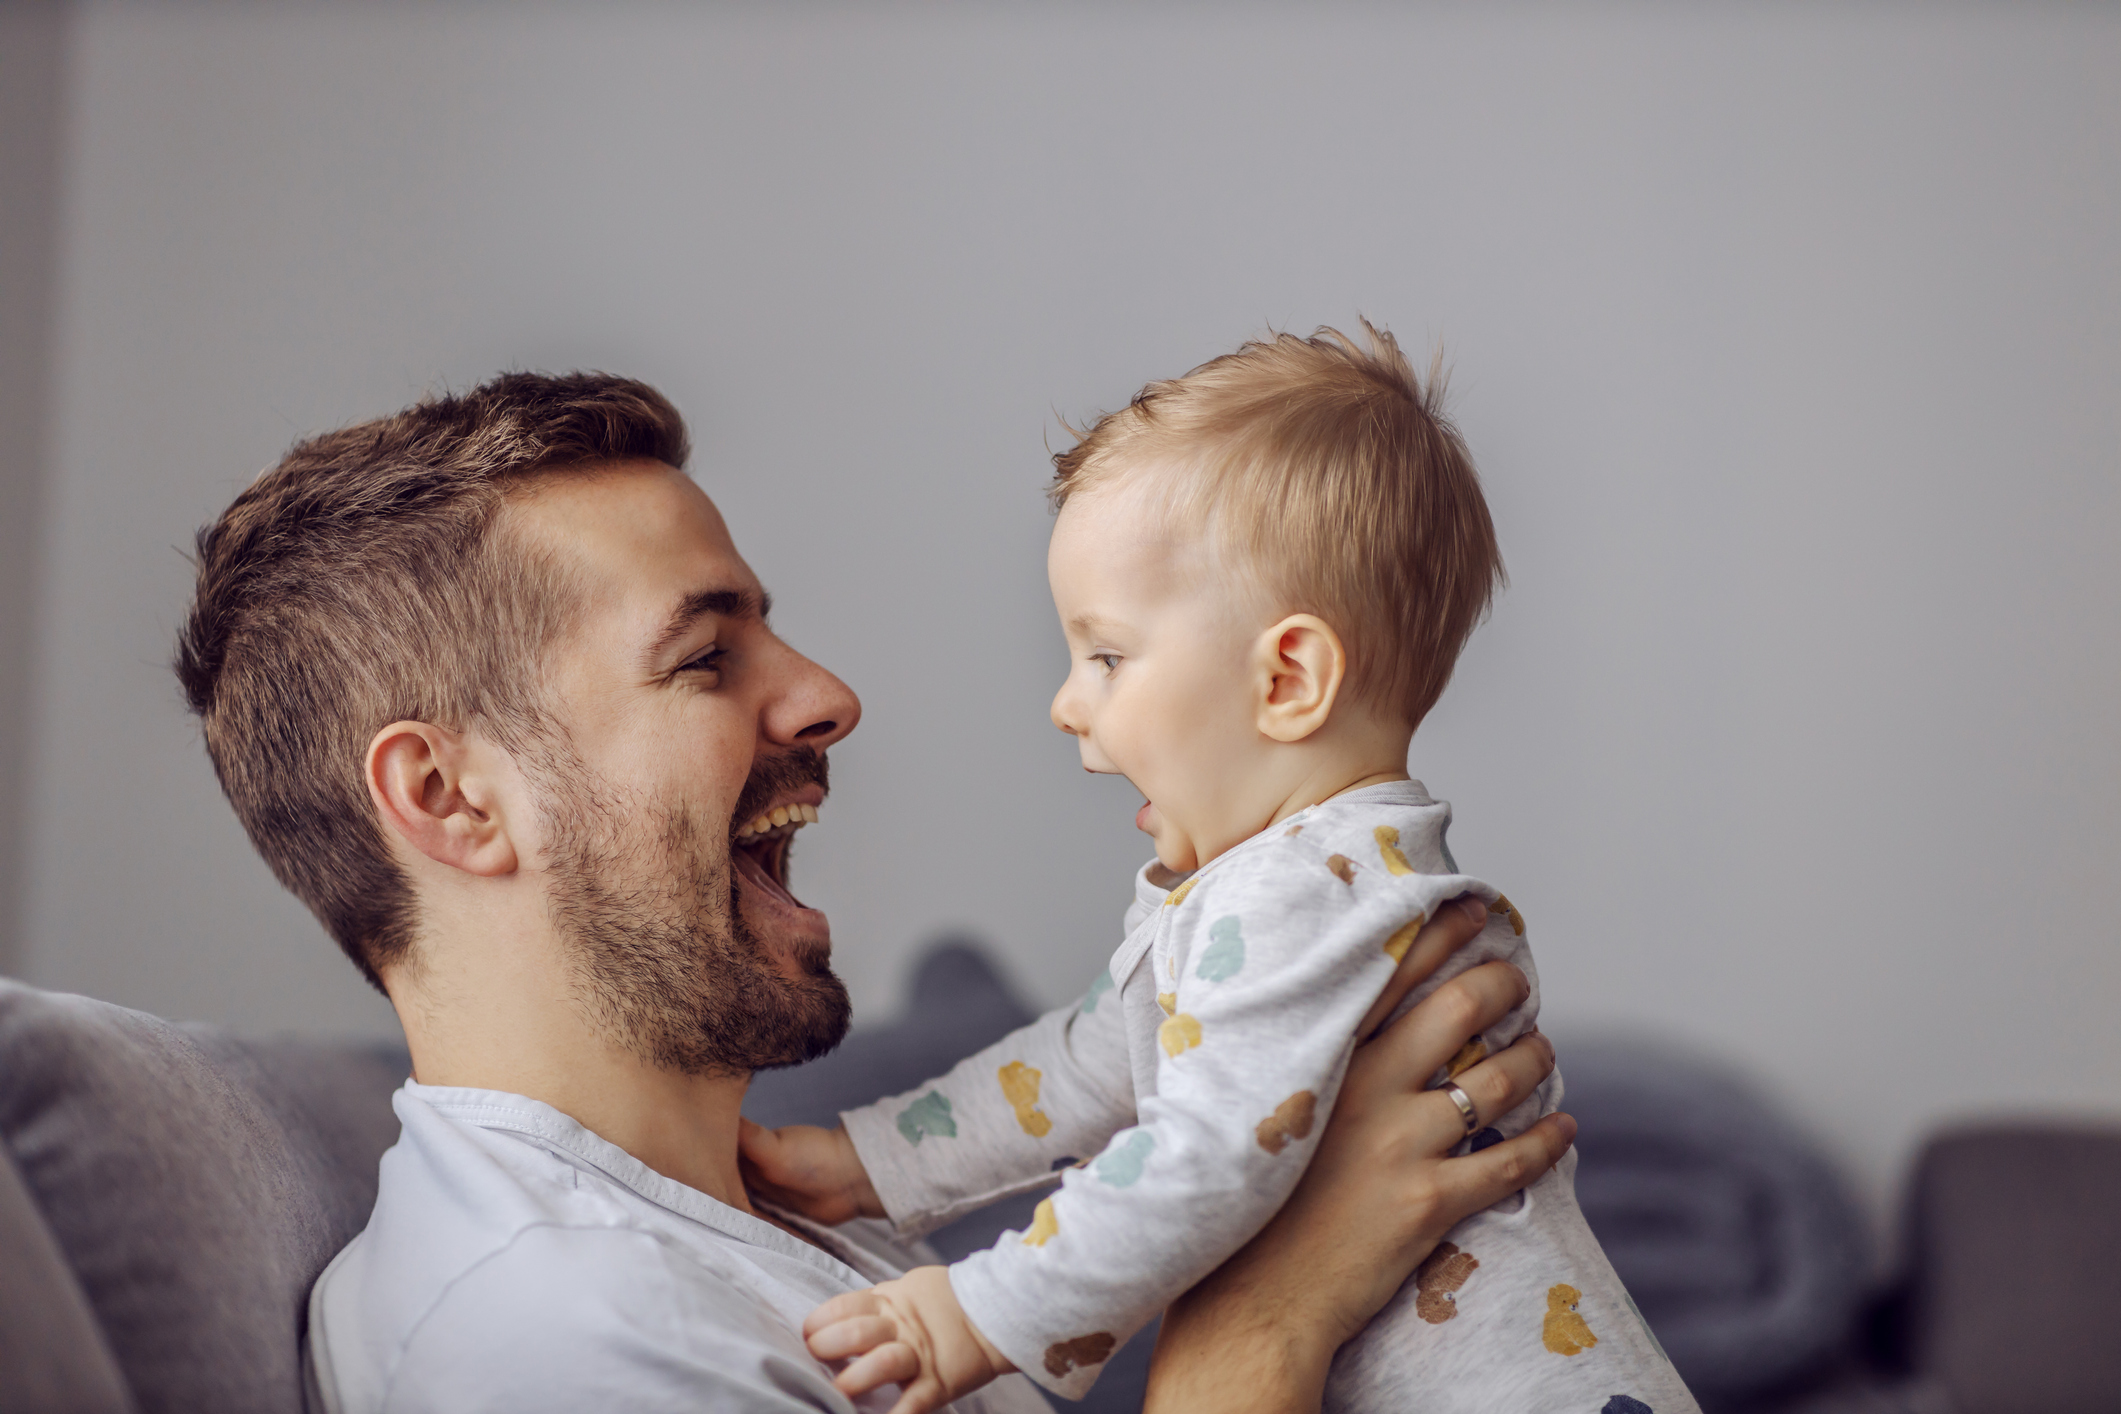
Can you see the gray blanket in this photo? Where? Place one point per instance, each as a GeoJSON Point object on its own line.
{"type": "Point", "coordinates": [1737, 1239]}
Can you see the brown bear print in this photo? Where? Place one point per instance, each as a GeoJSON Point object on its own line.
{"type": "Point", "coordinates": [1437, 1279]}
{"type": "Point", "coordinates": [1343, 868]}
{"type": "Point", "coordinates": [1291, 1120]}
{"type": "Point", "coordinates": [1084, 1351]}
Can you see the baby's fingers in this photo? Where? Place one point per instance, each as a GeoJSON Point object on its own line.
{"type": "Point", "coordinates": [853, 1335]}
{"type": "Point", "coordinates": [890, 1364]}
{"type": "Point", "coordinates": [845, 1306]}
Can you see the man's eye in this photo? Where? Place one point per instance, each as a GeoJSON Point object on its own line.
{"type": "Point", "coordinates": [707, 662]}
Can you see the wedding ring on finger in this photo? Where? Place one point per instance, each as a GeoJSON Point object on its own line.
{"type": "Point", "coordinates": [1466, 1112]}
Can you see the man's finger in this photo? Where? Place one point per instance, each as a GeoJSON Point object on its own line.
{"type": "Point", "coordinates": [1421, 1042]}
{"type": "Point", "coordinates": [892, 1364]}
{"type": "Point", "coordinates": [1455, 924]}
{"type": "Point", "coordinates": [1498, 1084]}
{"type": "Point", "coordinates": [1484, 1179]}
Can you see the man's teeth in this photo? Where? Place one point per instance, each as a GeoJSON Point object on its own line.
{"type": "Point", "coordinates": [792, 815]}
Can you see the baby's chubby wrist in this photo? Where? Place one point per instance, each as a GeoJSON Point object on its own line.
{"type": "Point", "coordinates": [814, 1171]}
{"type": "Point", "coordinates": [860, 1190]}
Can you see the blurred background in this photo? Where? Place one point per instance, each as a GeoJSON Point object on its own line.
{"type": "Point", "coordinates": [1787, 339]}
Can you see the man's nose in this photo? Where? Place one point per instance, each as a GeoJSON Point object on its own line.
{"type": "Point", "coordinates": [815, 709]}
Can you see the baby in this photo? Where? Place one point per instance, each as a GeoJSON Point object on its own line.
{"type": "Point", "coordinates": [1265, 571]}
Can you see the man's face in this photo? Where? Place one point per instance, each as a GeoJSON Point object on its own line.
{"type": "Point", "coordinates": [683, 723]}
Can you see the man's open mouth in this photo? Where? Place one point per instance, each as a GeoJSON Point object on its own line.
{"type": "Point", "coordinates": [760, 846]}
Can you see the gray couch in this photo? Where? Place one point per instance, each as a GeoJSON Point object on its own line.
{"type": "Point", "coordinates": [168, 1193]}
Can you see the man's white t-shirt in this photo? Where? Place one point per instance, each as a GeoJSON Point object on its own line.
{"type": "Point", "coordinates": [517, 1262]}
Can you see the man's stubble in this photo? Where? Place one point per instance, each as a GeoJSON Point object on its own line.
{"type": "Point", "coordinates": [644, 898]}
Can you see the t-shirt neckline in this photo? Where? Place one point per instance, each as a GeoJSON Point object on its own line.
{"type": "Point", "coordinates": [536, 1120]}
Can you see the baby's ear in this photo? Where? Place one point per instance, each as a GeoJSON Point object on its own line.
{"type": "Point", "coordinates": [1299, 665]}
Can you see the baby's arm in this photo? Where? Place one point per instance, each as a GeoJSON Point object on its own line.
{"type": "Point", "coordinates": [999, 1123]}
{"type": "Point", "coordinates": [1280, 959]}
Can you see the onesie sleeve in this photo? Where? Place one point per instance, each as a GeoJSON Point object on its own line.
{"type": "Point", "coordinates": [1273, 963]}
{"type": "Point", "coordinates": [1003, 1121]}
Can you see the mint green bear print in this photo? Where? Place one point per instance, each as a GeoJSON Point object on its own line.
{"type": "Point", "coordinates": [930, 1114]}
{"type": "Point", "coordinates": [1099, 985]}
{"type": "Point", "coordinates": [1121, 1164]}
{"type": "Point", "coordinates": [1225, 956]}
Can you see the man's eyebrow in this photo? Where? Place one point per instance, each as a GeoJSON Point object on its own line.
{"type": "Point", "coordinates": [722, 603]}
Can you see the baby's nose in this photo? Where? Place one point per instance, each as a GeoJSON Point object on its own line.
{"type": "Point", "coordinates": [1062, 715]}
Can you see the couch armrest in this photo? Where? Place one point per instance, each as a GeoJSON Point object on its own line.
{"type": "Point", "coordinates": [56, 1359]}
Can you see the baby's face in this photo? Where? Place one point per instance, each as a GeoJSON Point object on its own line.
{"type": "Point", "coordinates": [1158, 687]}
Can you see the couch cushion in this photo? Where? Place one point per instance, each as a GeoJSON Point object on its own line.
{"type": "Point", "coordinates": [1741, 1244]}
{"type": "Point", "coordinates": [196, 1184]}
{"type": "Point", "coordinates": [2017, 1268]}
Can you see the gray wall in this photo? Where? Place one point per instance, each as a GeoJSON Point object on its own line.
{"type": "Point", "coordinates": [1787, 338]}
{"type": "Point", "coordinates": [32, 56]}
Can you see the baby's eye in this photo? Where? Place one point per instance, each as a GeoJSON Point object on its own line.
{"type": "Point", "coordinates": [1110, 661]}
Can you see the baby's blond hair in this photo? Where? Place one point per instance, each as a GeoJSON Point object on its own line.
{"type": "Point", "coordinates": [1327, 468]}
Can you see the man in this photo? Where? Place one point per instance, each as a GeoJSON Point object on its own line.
{"type": "Point", "coordinates": [494, 693]}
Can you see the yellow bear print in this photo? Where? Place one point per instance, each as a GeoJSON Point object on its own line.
{"type": "Point", "coordinates": [1180, 1033]}
{"type": "Point", "coordinates": [1396, 946]}
{"type": "Point", "coordinates": [1020, 1089]}
{"type": "Point", "coordinates": [1503, 905]}
{"type": "Point", "coordinates": [1168, 1001]}
{"type": "Point", "coordinates": [1388, 850]}
{"type": "Point", "coordinates": [1472, 1053]}
{"type": "Point", "coordinates": [1045, 1223]}
{"type": "Point", "coordinates": [1566, 1332]}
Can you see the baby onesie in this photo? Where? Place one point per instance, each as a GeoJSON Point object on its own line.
{"type": "Point", "coordinates": [1181, 1098]}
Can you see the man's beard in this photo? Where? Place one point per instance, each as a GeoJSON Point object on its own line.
{"type": "Point", "coordinates": [644, 899]}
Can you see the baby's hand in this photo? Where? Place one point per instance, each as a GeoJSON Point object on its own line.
{"type": "Point", "coordinates": [810, 1170]}
{"type": "Point", "coordinates": [911, 1333]}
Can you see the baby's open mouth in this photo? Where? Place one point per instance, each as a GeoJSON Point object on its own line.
{"type": "Point", "coordinates": [760, 848]}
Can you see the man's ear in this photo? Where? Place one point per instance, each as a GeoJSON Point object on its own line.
{"type": "Point", "coordinates": [434, 791]}
{"type": "Point", "coordinates": [1299, 665]}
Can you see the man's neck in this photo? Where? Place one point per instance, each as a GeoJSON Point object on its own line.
{"type": "Point", "coordinates": [505, 1018]}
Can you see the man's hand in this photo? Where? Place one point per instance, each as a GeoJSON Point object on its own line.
{"type": "Point", "coordinates": [807, 1170]}
{"type": "Point", "coordinates": [911, 1333]}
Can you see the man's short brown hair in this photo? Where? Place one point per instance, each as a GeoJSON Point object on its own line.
{"type": "Point", "coordinates": [359, 582]}
{"type": "Point", "coordinates": [1326, 468]}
